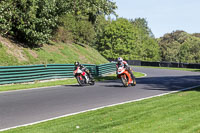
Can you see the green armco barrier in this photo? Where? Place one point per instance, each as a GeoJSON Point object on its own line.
{"type": "Point", "coordinates": [106, 68]}
{"type": "Point", "coordinates": [31, 73]}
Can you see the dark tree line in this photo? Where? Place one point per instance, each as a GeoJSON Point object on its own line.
{"type": "Point", "coordinates": [36, 22]}
{"type": "Point", "coordinates": [180, 46]}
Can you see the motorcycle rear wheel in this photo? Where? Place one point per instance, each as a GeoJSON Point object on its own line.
{"type": "Point", "coordinates": [92, 83]}
{"type": "Point", "coordinates": [81, 82]}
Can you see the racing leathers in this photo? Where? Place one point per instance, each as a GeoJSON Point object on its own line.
{"type": "Point", "coordinates": [127, 67]}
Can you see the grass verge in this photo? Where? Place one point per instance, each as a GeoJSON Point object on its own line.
{"type": "Point", "coordinates": [173, 113]}
{"type": "Point", "coordinates": [114, 76]}
{"type": "Point", "coordinates": [54, 83]}
{"type": "Point", "coordinates": [36, 85]}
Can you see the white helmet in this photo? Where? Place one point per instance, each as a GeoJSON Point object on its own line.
{"type": "Point", "coordinates": [119, 59]}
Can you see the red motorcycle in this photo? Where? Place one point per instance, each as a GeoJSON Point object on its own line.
{"type": "Point", "coordinates": [83, 77]}
{"type": "Point", "coordinates": [125, 77]}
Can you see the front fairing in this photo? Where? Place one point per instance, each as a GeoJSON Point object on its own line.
{"type": "Point", "coordinates": [78, 71]}
{"type": "Point", "coordinates": [120, 70]}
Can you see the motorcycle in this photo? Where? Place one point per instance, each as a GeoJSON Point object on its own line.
{"type": "Point", "coordinates": [125, 77]}
{"type": "Point", "coordinates": [83, 78]}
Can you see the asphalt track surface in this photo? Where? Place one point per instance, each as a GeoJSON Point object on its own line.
{"type": "Point", "coordinates": [28, 106]}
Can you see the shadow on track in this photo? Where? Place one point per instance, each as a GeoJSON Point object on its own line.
{"type": "Point", "coordinates": [114, 86]}
{"type": "Point", "coordinates": [76, 85]}
{"type": "Point", "coordinates": [168, 83]}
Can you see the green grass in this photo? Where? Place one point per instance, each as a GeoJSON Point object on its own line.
{"type": "Point", "coordinates": [56, 53]}
{"type": "Point", "coordinates": [114, 76]}
{"type": "Point", "coordinates": [36, 85]}
{"type": "Point", "coordinates": [63, 53]}
{"type": "Point", "coordinates": [173, 113]}
{"type": "Point", "coordinates": [173, 68]}
{"type": "Point", "coordinates": [54, 83]}
{"type": "Point", "coordinates": [5, 58]}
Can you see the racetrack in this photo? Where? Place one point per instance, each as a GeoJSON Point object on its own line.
{"type": "Point", "coordinates": [28, 106]}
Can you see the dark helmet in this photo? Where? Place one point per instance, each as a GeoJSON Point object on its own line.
{"type": "Point", "coordinates": [76, 63]}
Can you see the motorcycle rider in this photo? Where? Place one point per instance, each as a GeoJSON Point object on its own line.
{"type": "Point", "coordinates": [84, 69]}
{"type": "Point", "coordinates": [121, 62]}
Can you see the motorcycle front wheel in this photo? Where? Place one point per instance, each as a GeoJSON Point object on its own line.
{"type": "Point", "coordinates": [81, 80]}
{"type": "Point", "coordinates": [124, 80]}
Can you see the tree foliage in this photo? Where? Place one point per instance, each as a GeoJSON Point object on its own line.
{"type": "Point", "coordinates": [6, 13]}
{"type": "Point", "coordinates": [180, 46]}
{"type": "Point", "coordinates": [147, 46]}
{"type": "Point", "coordinates": [80, 29]}
{"type": "Point", "coordinates": [92, 8]}
{"type": "Point", "coordinates": [128, 39]}
{"type": "Point", "coordinates": [34, 21]}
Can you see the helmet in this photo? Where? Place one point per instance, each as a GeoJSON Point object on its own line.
{"type": "Point", "coordinates": [76, 63]}
{"type": "Point", "coordinates": [119, 59]}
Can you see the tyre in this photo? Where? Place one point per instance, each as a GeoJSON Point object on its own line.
{"type": "Point", "coordinates": [134, 82]}
{"type": "Point", "coordinates": [124, 80]}
{"type": "Point", "coordinates": [81, 80]}
{"type": "Point", "coordinates": [92, 83]}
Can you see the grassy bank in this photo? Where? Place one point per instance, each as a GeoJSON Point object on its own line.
{"type": "Point", "coordinates": [173, 113]}
{"type": "Point", "coordinates": [12, 53]}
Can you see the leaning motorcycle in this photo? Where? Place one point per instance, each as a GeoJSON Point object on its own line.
{"type": "Point", "coordinates": [83, 77]}
{"type": "Point", "coordinates": [125, 77]}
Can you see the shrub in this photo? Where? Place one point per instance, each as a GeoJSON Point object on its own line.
{"type": "Point", "coordinates": [81, 30]}
{"type": "Point", "coordinates": [6, 14]}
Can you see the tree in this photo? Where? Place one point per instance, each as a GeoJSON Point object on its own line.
{"type": "Point", "coordinates": [116, 39]}
{"type": "Point", "coordinates": [190, 50]}
{"type": "Point", "coordinates": [147, 46]}
{"type": "Point", "coordinates": [122, 38]}
{"type": "Point", "coordinates": [170, 45]}
{"type": "Point", "coordinates": [92, 8]}
{"type": "Point", "coordinates": [34, 21]}
{"type": "Point", "coordinates": [180, 46]}
{"type": "Point", "coordinates": [6, 13]}
{"type": "Point", "coordinates": [142, 27]}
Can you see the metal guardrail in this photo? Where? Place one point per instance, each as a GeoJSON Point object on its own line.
{"type": "Point", "coordinates": [106, 68]}
{"type": "Point", "coordinates": [31, 73]}
{"type": "Point", "coordinates": [161, 64]}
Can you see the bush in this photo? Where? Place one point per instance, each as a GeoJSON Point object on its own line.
{"type": "Point", "coordinates": [30, 21]}
{"type": "Point", "coordinates": [34, 21]}
{"type": "Point", "coordinates": [63, 35]}
{"type": "Point", "coordinates": [6, 14]}
{"type": "Point", "coordinates": [77, 29]}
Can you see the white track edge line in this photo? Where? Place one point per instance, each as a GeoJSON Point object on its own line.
{"type": "Point", "coordinates": [99, 108]}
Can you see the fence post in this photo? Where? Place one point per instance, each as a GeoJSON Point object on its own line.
{"type": "Point", "coordinates": [97, 70]}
